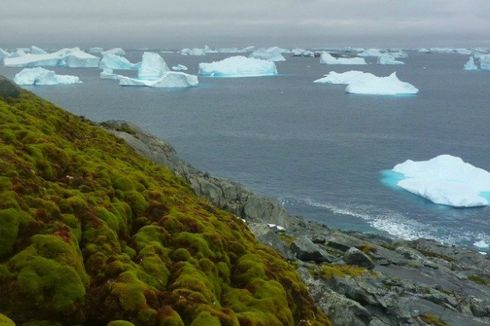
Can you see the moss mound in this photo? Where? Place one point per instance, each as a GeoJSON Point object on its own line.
{"type": "Point", "coordinates": [93, 234]}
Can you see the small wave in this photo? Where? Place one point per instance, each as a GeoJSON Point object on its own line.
{"type": "Point", "coordinates": [397, 224]}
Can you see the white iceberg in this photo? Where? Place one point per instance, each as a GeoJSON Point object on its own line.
{"type": "Point", "coordinates": [371, 53]}
{"type": "Point", "coordinates": [398, 54]}
{"type": "Point", "coordinates": [41, 76]}
{"type": "Point", "coordinates": [169, 79]}
{"type": "Point", "coordinates": [339, 78]}
{"type": "Point", "coordinates": [298, 52]}
{"type": "Point", "coordinates": [114, 61]}
{"type": "Point", "coordinates": [3, 54]}
{"type": "Point", "coordinates": [484, 61]}
{"type": "Point", "coordinates": [481, 244]}
{"type": "Point", "coordinates": [72, 58]}
{"type": "Point", "coordinates": [272, 54]}
{"type": "Point", "coordinates": [388, 59]}
{"type": "Point", "coordinates": [115, 51]}
{"type": "Point", "coordinates": [37, 50]}
{"type": "Point", "coordinates": [424, 50]}
{"type": "Point", "coordinates": [235, 50]}
{"type": "Point", "coordinates": [370, 84]}
{"type": "Point", "coordinates": [463, 51]}
{"type": "Point", "coordinates": [238, 66]}
{"type": "Point", "coordinates": [152, 66]}
{"type": "Point", "coordinates": [96, 50]}
{"type": "Point", "coordinates": [329, 59]}
{"type": "Point", "coordinates": [180, 67]}
{"type": "Point", "coordinates": [470, 65]}
{"type": "Point", "coordinates": [153, 72]}
{"type": "Point", "coordinates": [446, 180]}
{"type": "Point", "coordinates": [193, 52]}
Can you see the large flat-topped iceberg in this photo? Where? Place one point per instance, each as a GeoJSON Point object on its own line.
{"type": "Point", "coordinates": [41, 76]}
{"type": "Point", "coordinates": [114, 61]}
{"type": "Point", "coordinates": [271, 54]}
{"type": "Point", "coordinates": [388, 59]}
{"type": "Point", "coordinates": [329, 59]}
{"type": "Point", "coordinates": [72, 58]}
{"type": "Point", "coordinates": [238, 66]}
{"type": "Point", "coordinates": [369, 84]}
{"type": "Point", "coordinates": [339, 78]}
{"type": "Point", "coordinates": [446, 180]}
{"type": "Point", "coordinates": [170, 79]}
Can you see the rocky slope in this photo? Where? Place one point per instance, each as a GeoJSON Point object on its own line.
{"type": "Point", "coordinates": [91, 233]}
{"type": "Point", "coordinates": [357, 279]}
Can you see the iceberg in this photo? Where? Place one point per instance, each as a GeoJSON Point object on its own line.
{"type": "Point", "coordinates": [109, 74]}
{"type": "Point", "coordinates": [398, 54]}
{"type": "Point", "coordinates": [463, 51]}
{"type": "Point", "coordinates": [271, 54]}
{"type": "Point", "coordinates": [470, 65]}
{"type": "Point", "coordinates": [96, 50]}
{"type": "Point", "coordinates": [180, 67]}
{"type": "Point", "coordinates": [115, 51]}
{"type": "Point", "coordinates": [37, 50]}
{"type": "Point", "coordinates": [72, 58]}
{"type": "Point", "coordinates": [41, 76]}
{"type": "Point", "coordinates": [484, 61]}
{"type": "Point", "coordinates": [388, 59]}
{"type": "Point", "coordinates": [371, 53]}
{"type": "Point", "coordinates": [339, 78]}
{"type": "Point", "coordinates": [238, 66]}
{"type": "Point", "coordinates": [194, 52]}
{"type": "Point", "coordinates": [152, 66]}
{"type": "Point", "coordinates": [114, 61]}
{"type": "Point", "coordinates": [327, 58]}
{"type": "Point", "coordinates": [370, 84]}
{"type": "Point", "coordinates": [445, 180]}
{"type": "Point", "coordinates": [424, 50]}
{"type": "Point", "coordinates": [3, 54]}
{"type": "Point", "coordinates": [235, 50]}
{"type": "Point", "coordinates": [302, 53]}
{"type": "Point", "coordinates": [170, 79]}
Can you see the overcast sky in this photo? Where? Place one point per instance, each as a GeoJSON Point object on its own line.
{"type": "Point", "coordinates": [179, 23]}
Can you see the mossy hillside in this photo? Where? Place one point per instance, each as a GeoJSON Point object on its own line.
{"type": "Point", "coordinates": [93, 234]}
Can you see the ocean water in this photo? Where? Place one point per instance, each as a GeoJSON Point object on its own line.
{"type": "Point", "coordinates": [314, 147]}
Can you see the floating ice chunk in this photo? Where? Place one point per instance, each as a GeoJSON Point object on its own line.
{"type": "Point", "coordinates": [470, 65]}
{"type": "Point", "coordinates": [41, 76]}
{"type": "Point", "coordinates": [271, 54]}
{"type": "Point", "coordinates": [424, 50]}
{"type": "Point", "coordinates": [37, 50]}
{"type": "Point", "coordinates": [445, 180]}
{"type": "Point", "coordinates": [302, 53]}
{"type": "Point", "coordinates": [115, 51]}
{"type": "Point", "coordinates": [3, 54]}
{"type": "Point", "coordinates": [73, 58]}
{"type": "Point", "coordinates": [238, 66]}
{"type": "Point", "coordinates": [96, 50]}
{"type": "Point", "coordinates": [388, 59]}
{"type": "Point", "coordinates": [339, 78]}
{"type": "Point", "coordinates": [373, 85]}
{"type": "Point", "coordinates": [180, 67]}
{"type": "Point", "coordinates": [484, 61]}
{"type": "Point", "coordinates": [236, 50]}
{"type": "Point", "coordinates": [371, 53]}
{"type": "Point", "coordinates": [152, 66]}
{"type": "Point", "coordinates": [170, 79]}
{"type": "Point", "coordinates": [194, 52]}
{"type": "Point", "coordinates": [329, 59]}
{"type": "Point", "coordinates": [398, 54]}
{"type": "Point", "coordinates": [481, 244]}
{"type": "Point", "coordinates": [107, 73]}
{"type": "Point", "coordinates": [114, 61]}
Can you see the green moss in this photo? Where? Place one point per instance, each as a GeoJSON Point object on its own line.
{"type": "Point", "coordinates": [120, 323]}
{"type": "Point", "coordinates": [433, 320]}
{"type": "Point", "coordinates": [5, 321]}
{"type": "Point", "coordinates": [91, 233]}
{"type": "Point", "coordinates": [340, 271]}
{"type": "Point", "coordinates": [479, 280]}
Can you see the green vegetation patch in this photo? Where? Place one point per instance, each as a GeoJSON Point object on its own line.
{"type": "Point", "coordinates": [93, 234]}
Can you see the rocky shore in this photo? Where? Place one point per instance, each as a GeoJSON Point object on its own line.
{"type": "Point", "coordinates": [357, 279]}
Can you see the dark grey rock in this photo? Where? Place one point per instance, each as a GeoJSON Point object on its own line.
{"type": "Point", "coordinates": [8, 88]}
{"type": "Point", "coordinates": [306, 250]}
{"type": "Point", "coordinates": [354, 256]}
